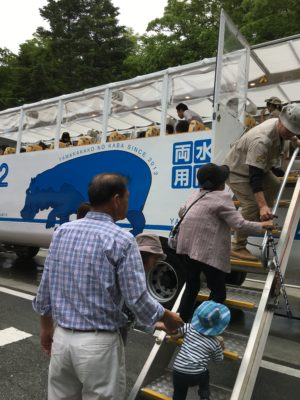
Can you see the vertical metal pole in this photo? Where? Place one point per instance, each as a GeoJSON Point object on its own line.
{"type": "Point", "coordinates": [58, 123]}
{"type": "Point", "coordinates": [217, 85]}
{"type": "Point", "coordinates": [244, 90]}
{"type": "Point", "coordinates": [247, 374]}
{"type": "Point", "coordinates": [20, 130]}
{"type": "Point", "coordinates": [164, 103]}
{"type": "Point", "coordinates": [106, 112]}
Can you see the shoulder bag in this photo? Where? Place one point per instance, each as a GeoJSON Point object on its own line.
{"type": "Point", "coordinates": [173, 235]}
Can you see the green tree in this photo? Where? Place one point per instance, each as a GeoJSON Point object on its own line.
{"type": "Point", "coordinates": [86, 42]}
{"type": "Point", "coordinates": [187, 32]}
{"type": "Point", "coordinates": [36, 71]}
{"type": "Point", "coordinates": [7, 78]}
{"type": "Point", "coordinates": [265, 20]}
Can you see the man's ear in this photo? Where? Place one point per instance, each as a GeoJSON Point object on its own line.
{"type": "Point", "coordinates": [116, 200]}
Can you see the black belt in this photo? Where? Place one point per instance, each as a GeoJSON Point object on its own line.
{"type": "Point", "coordinates": [86, 330]}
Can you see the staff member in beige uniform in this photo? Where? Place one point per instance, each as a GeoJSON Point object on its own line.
{"type": "Point", "coordinates": [272, 110]}
{"type": "Point", "coordinates": [251, 161]}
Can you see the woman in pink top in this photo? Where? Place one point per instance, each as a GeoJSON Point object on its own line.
{"type": "Point", "coordinates": [205, 234]}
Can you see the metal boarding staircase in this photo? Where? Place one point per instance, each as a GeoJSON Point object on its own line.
{"type": "Point", "coordinates": [243, 351]}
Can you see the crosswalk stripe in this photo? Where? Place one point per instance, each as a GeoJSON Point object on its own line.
{"type": "Point", "coordinates": [16, 293]}
{"type": "Point", "coordinates": [11, 335]}
{"type": "Point", "coordinates": [282, 369]}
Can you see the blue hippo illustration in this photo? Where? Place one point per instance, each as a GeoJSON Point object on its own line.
{"type": "Point", "coordinates": [63, 187]}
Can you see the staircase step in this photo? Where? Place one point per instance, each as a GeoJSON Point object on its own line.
{"type": "Point", "coordinates": [237, 297]}
{"type": "Point", "coordinates": [162, 389]}
{"type": "Point", "coordinates": [290, 179]}
{"type": "Point", "coordinates": [235, 344]}
{"type": "Point", "coordinates": [243, 263]}
{"type": "Point", "coordinates": [230, 302]}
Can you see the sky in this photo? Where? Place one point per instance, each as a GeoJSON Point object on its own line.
{"type": "Point", "coordinates": [19, 19]}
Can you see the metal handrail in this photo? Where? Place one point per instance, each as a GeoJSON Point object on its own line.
{"type": "Point", "coordinates": [250, 364]}
{"type": "Point", "coordinates": [264, 248]}
{"type": "Point", "coordinates": [159, 340]}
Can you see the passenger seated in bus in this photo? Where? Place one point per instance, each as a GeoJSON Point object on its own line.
{"type": "Point", "coordinates": [33, 147]}
{"type": "Point", "coordinates": [84, 140]}
{"type": "Point", "coordinates": [274, 106]}
{"type": "Point", "coordinates": [249, 122]}
{"type": "Point", "coordinates": [182, 126]}
{"type": "Point", "coordinates": [184, 112]}
{"type": "Point", "coordinates": [115, 137]}
{"type": "Point", "coordinates": [9, 150]}
{"type": "Point", "coordinates": [169, 129]}
{"type": "Point", "coordinates": [61, 145]}
{"type": "Point", "coordinates": [152, 131]}
{"type": "Point", "coordinates": [94, 135]}
{"type": "Point", "coordinates": [2, 149]}
{"type": "Point", "coordinates": [66, 139]}
{"type": "Point", "coordinates": [43, 145]}
{"type": "Point", "coordinates": [141, 134]}
{"type": "Point", "coordinates": [195, 126]}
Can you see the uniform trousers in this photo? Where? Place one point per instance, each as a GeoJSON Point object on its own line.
{"type": "Point", "coordinates": [248, 204]}
{"type": "Point", "coordinates": [86, 366]}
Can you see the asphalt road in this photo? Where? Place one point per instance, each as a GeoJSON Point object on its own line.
{"type": "Point", "coordinates": [23, 367]}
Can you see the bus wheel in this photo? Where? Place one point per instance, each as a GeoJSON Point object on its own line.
{"type": "Point", "coordinates": [165, 280]}
{"type": "Point", "coordinates": [26, 251]}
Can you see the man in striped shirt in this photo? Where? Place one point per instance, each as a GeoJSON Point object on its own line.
{"type": "Point", "coordinates": [201, 343]}
{"type": "Point", "coordinates": [92, 267]}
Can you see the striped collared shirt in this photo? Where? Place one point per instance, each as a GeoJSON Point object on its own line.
{"type": "Point", "coordinates": [196, 351]}
{"type": "Point", "coordinates": [92, 267]}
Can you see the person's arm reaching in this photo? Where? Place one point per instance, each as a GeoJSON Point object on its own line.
{"type": "Point", "coordinates": [133, 286]}
{"type": "Point", "coordinates": [256, 183]}
{"type": "Point", "coordinates": [171, 320]}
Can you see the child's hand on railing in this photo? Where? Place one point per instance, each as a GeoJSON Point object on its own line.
{"type": "Point", "coordinates": [221, 340]}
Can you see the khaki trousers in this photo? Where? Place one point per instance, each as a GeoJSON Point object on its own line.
{"type": "Point", "coordinates": [249, 207]}
{"type": "Point", "coordinates": [86, 366]}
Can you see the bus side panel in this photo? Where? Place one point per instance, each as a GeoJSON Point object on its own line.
{"type": "Point", "coordinates": [41, 190]}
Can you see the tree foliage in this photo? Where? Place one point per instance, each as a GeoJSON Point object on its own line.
{"type": "Point", "coordinates": [265, 20]}
{"type": "Point", "coordinates": [84, 45]}
{"type": "Point", "coordinates": [185, 33]}
{"type": "Point", "coordinates": [7, 78]}
{"type": "Point", "coordinates": [88, 45]}
{"type": "Point", "coordinates": [188, 30]}
{"type": "Point", "coordinates": [36, 71]}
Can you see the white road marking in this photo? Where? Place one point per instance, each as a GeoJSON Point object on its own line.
{"type": "Point", "coordinates": [16, 293]}
{"type": "Point", "coordinates": [11, 335]}
{"type": "Point", "coordinates": [282, 369]}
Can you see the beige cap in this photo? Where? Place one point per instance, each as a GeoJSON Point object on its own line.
{"type": "Point", "coordinates": [150, 243]}
{"type": "Point", "coordinates": [273, 100]}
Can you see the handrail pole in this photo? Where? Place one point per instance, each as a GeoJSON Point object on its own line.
{"type": "Point", "coordinates": [278, 198]}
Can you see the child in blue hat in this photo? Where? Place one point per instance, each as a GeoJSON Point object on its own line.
{"type": "Point", "coordinates": [201, 343]}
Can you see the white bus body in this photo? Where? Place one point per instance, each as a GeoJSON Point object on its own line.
{"type": "Point", "coordinates": [40, 190]}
